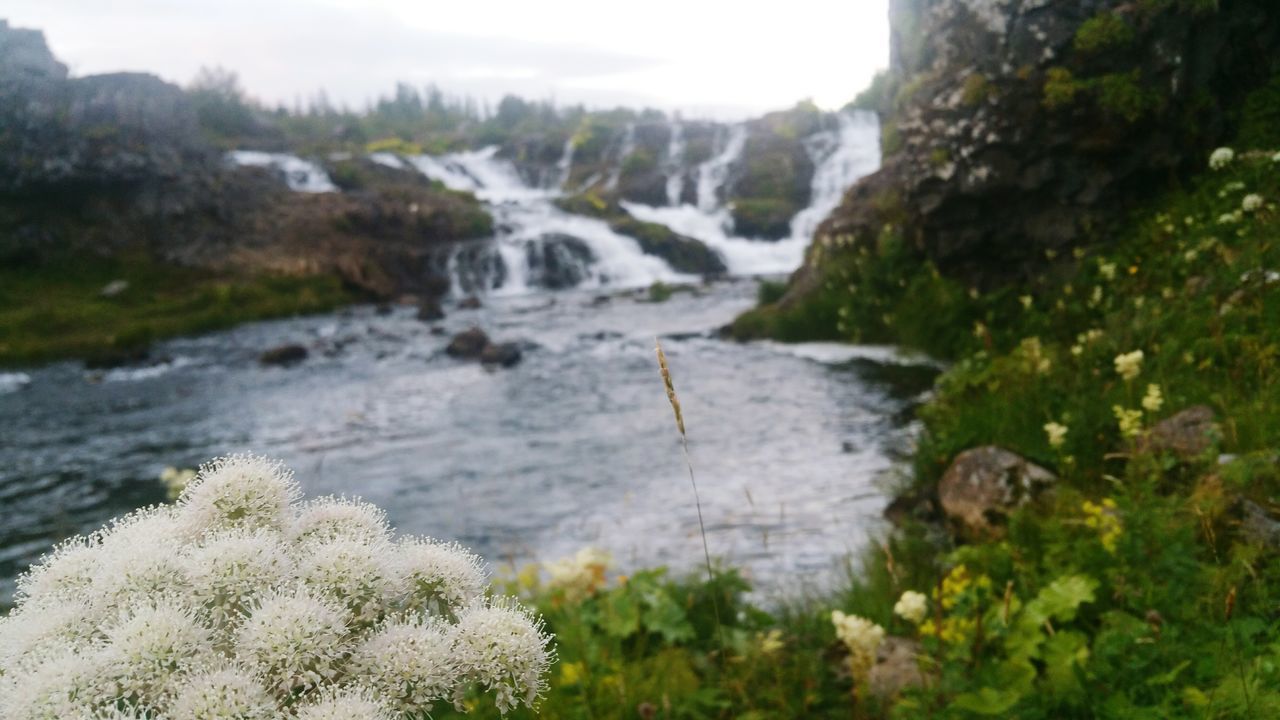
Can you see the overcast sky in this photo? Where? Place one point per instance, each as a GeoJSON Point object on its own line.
{"type": "Point", "coordinates": [704, 57]}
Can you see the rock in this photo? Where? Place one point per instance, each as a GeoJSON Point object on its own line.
{"type": "Point", "coordinates": [505, 354]}
{"type": "Point", "coordinates": [118, 357]}
{"type": "Point", "coordinates": [438, 330]}
{"type": "Point", "coordinates": [558, 261]}
{"type": "Point", "coordinates": [114, 288]}
{"type": "Point", "coordinates": [468, 344]}
{"type": "Point", "coordinates": [1257, 525]}
{"type": "Point", "coordinates": [382, 309]}
{"type": "Point", "coordinates": [897, 668]}
{"type": "Point", "coordinates": [911, 506]}
{"type": "Point", "coordinates": [470, 302]}
{"type": "Point", "coordinates": [1187, 434]}
{"type": "Point", "coordinates": [683, 253]}
{"type": "Point", "coordinates": [983, 485]}
{"type": "Point", "coordinates": [430, 311]}
{"type": "Point", "coordinates": [284, 355]}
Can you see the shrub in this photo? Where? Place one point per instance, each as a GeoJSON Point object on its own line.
{"type": "Point", "coordinates": [239, 601]}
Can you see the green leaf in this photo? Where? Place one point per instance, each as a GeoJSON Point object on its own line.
{"type": "Point", "coordinates": [1061, 599]}
{"type": "Point", "coordinates": [1062, 654]}
{"type": "Point", "coordinates": [1172, 675]}
{"type": "Point", "coordinates": [987, 701]}
{"type": "Point", "coordinates": [621, 617]}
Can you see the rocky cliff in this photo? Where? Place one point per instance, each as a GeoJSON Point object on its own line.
{"type": "Point", "coordinates": [109, 163]}
{"type": "Point", "coordinates": [1015, 131]}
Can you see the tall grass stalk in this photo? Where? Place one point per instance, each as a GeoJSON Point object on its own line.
{"type": "Point", "coordinates": [684, 444]}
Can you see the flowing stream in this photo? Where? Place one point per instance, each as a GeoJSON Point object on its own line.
{"type": "Point", "coordinates": [574, 446]}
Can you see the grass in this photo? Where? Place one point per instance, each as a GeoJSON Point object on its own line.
{"type": "Point", "coordinates": [56, 310]}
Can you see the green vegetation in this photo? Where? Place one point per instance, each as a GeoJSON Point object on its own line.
{"type": "Point", "coordinates": [1137, 588]}
{"type": "Point", "coordinates": [1105, 31]}
{"type": "Point", "coordinates": [763, 217]}
{"type": "Point", "coordinates": [57, 310]}
{"type": "Point", "coordinates": [875, 97]}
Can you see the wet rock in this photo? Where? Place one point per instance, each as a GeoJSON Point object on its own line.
{"type": "Point", "coordinates": [438, 330]}
{"type": "Point", "coordinates": [430, 311]}
{"type": "Point", "coordinates": [118, 357]}
{"type": "Point", "coordinates": [284, 355]}
{"type": "Point", "coordinates": [559, 261]}
{"type": "Point", "coordinates": [983, 485]}
{"type": "Point", "coordinates": [382, 309]}
{"type": "Point", "coordinates": [468, 344]}
{"type": "Point", "coordinates": [915, 506]}
{"type": "Point", "coordinates": [505, 354]}
{"type": "Point", "coordinates": [471, 302]}
{"type": "Point", "coordinates": [1187, 434]}
{"type": "Point", "coordinates": [896, 668]}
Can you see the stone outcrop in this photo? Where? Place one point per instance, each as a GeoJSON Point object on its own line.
{"type": "Point", "coordinates": [1186, 434]}
{"type": "Point", "coordinates": [107, 163]}
{"type": "Point", "coordinates": [1016, 128]}
{"type": "Point", "coordinates": [984, 485]}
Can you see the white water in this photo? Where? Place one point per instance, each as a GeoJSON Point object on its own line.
{"type": "Point", "coordinates": [841, 156]}
{"type": "Point", "coordinates": [564, 166]}
{"type": "Point", "coordinates": [525, 219]}
{"type": "Point", "coordinates": [714, 173]}
{"type": "Point", "coordinates": [301, 175]}
{"type": "Point", "coordinates": [628, 146]}
{"type": "Point", "coordinates": [675, 164]}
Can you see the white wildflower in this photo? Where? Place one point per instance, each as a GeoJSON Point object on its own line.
{"type": "Point", "coordinates": [1056, 433]}
{"type": "Point", "coordinates": [912, 607]}
{"type": "Point", "coordinates": [1276, 158]}
{"type": "Point", "coordinates": [228, 568]}
{"type": "Point", "coordinates": [1026, 301]}
{"type": "Point", "coordinates": [1221, 158]}
{"type": "Point", "coordinates": [580, 575]}
{"type": "Point", "coordinates": [354, 573]}
{"type": "Point", "coordinates": [1129, 365]}
{"type": "Point", "coordinates": [222, 692]}
{"type": "Point", "coordinates": [26, 634]}
{"type": "Point", "coordinates": [1153, 400]}
{"type": "Point", "coordinates": [330, 518]}
{"type": "Point", "coordinates": [409, 662]}
{"type": "Point", "coordinates": [435, 576]}
{"type": "Point", "coordinates": [151, 645]}
{"type": "Point", "coordinates": [505, 649]}
{"type": "Point", "coordinates": [64, 574]}
{"type": "Point", "coordinates": [1107, 271]}
{"type": "Point", "coordinates": [861, 636]}
{"type": "Point", "coordinates": [294, 638]}
{"type": "Point", "coordinates": [69, 681]}
{"type": "Point", "coordinates": [349, 703]}
{"type": "Point", "coordinates": [137, 560]}
{"type": "Point", "coordinates": [1230, 218]}
{"type": "Point", "coordinates": [1251, 202]}
{"type": "Point", "coordinates": [239, 491]}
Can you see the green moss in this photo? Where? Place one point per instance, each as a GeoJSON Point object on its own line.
{"type": "Point", "coordinates": [976, 89]}
{"type": "Point", "coordinates": [1060, 88]}
{"type": "Point", "coordinates": [875, 97]}
{"type": "Point", "coordinates": [890, 138]}
{"type": "Point", "coordinates": [763, 217]}
{"type": "Point", "coordinates": [939, 156]}
{"type": "Point", "coordinates": [1105, 31]}
{"type": "Point", "coordinates": [1121, 95]}
{"type": "Point", "coordinates": [397, 145]}
{"type": "Point", "coordinates": [55, 310]}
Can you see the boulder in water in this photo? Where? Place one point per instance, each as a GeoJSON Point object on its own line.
{"type": "Point", "coordinates": [683, 253]}
{"type": "Point", "coordinates": [559, 261]}
{"type": "Point", "coordinates": [468, 344]}
{"type": "Point", "coordinates": [429, 310]}
{"type": "Point", "coordinates": [470, 302]}
{"type": "Point", "coordinates": [505, 354]}
{"type": "Point", "coordinates": [290, 354]}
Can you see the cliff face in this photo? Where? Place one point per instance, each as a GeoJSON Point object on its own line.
{"type": "Point", "coordinates": [1016, 130]}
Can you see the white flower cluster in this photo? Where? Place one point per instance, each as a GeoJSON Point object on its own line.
{"type": "Point", "coordinates": [912, 607]}
{"type": "Point", "coordinates": [1221, 158]}
{"type": "Point", "coordinates": [861, 636]}
{"type": "Point", "coordinates": [240, 602]}
{"type": "Point", "coordinates": [580, 575]}
{"type": "Point", "coordinates": [1129, 365]}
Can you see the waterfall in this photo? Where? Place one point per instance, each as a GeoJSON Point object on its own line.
{"type": "Point", "coordinates": [714, 173]}
{"type": "Point", "coordinates": [300, 175]}
{"type": "Point", "coordinates": [627, 147]}
{"type": "Point", "coordinates": [841, 155]}
{"type": "Point", "coordinates": [564, 165]}
{"type": "Point", "coordinates": [536, 244]}
{"type": "Point", "coordinates": [675, 164]}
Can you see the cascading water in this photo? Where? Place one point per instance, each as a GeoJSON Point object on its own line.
{"type": "Point", "coordinates": [675, 163]}
{"type": "Point", "coordinates": [841, 156]}
{"type": "Point", "coordinates": [564, 165]}
{"type": "Point", "coordinates": [300, 175]}
{"type": "Point", "coordinates": [627, 147]}
{"type": "Point", "coordinates": [714, 173]}
{"type": "Point", "coordinates": [537, 244]}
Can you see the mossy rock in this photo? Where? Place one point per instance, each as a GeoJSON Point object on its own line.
{"type": "Point", "coordinates": [684, 254]}
{"type": "Point", "coordinates": [763, 218]}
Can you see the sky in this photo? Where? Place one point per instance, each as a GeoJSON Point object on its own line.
{"type": "Point", "coordinates": [701, 57]}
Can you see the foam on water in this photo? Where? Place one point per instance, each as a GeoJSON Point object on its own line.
{"type": "Point", "coordinates": [301, 175]}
